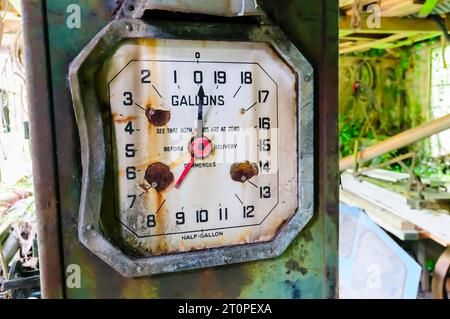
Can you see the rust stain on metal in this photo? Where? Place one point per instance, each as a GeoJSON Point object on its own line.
{"type": "Point", "coordinates": [240, 172]}
{"type": "Point", "coordinates": [158, 117]}
{"type": "Point", "coordinates": [223, 282]}
{"type": "Point", "coordinates": [118, 118]}
{"type": "Point", "coordinates": [293, 265]}
{"type": "Point", "coordinates": [161, 224]}
{"type": "Point", "coordinates": [159, 174]}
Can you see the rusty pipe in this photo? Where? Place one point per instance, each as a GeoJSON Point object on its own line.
{"type": "Point", "coordinates": [439, 283]}
{"type": "Point", "coordinates": [397, 141]}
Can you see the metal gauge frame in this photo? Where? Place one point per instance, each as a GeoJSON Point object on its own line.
{"type": "Point", "coordinates": [93, 147]}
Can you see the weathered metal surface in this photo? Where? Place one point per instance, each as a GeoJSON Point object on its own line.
{"type": "Point", "coordinates": [227, 8]}
{"type": "Point", "coordinates": [281, 228]}
{"type": "Point", "coordinates": [45, 170]}
{"type": "Point", "coordinates": [308, 267]}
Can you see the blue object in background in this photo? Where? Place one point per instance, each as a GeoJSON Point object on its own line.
{"type": "Point", "coordinates": [371, 264]}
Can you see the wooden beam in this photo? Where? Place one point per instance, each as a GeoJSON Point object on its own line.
{"type": "Point", "coordinates": [432, 221]}
{"type": "Point", "coordinates": [402, 139]}
{"type": "Point", "coordinates": [397, 226]}
{"type": "Point", "coordinates": [414, 39]}
{"type": "Point", "coordinates": [399, 8]}
{"type": "Point", "coordinates": [392, 25]}
{"type": "Point", "coordinates": [427, 8]}
{"type": "Point", "coordinates": [367, 46]}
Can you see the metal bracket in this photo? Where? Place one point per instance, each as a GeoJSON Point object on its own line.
{"type": "Point", "coordinates": [226, 8]}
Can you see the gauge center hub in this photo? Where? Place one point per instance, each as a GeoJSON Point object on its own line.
{"type": "Point", "coordinates": [201, 147]}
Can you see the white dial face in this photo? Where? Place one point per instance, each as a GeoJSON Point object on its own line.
{"type": "Point", "coordinates": [204, 143]}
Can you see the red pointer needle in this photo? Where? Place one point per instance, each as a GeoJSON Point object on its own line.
{"type": "Point", "coordinates": [185, 172]}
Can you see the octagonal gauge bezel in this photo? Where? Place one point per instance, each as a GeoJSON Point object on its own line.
{"type": "Point", "coordinates": [93, 149]}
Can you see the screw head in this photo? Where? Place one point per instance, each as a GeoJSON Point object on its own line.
{"type": "Point", "coordinates": [243, 178]}
{"type": "Point", "coordinates": [129, 27]}
{"type": "Point", "coordinates": [154, 185]}
{"type": "Point", "coordinates": [307, 78]}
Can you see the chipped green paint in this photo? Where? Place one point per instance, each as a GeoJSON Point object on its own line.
{"type": "Point", "coordinates": [306, 270]}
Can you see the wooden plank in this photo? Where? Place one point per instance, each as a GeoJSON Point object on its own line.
{"type": "Point", "coordinates": [354, 200]}
{"type": "Point", "coordinates": [427, 8]}
{"type": "Point", "coordinates": [405, 235]}
{"type": "Point", "coordinates": [397, 226]}
{"type": "Point", "coordinates": [395, 8]}
{"type": "Point", "coordinates": [427, 235]}
{"type": "Point", "coordinates": [392, 25]}
{"type": "Point", "coordinates": [385, 175]}
{"type": "Point", "coordinates": [367, 46]}
{"type": "Point", "coordinates": [415, 39]}
{"type": "Point", "coordinates": [437, 224]}
{"type": "Point", "coordinates": [399, 8]}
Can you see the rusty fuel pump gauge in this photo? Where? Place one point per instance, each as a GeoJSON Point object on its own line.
{"type": "Point", "coordinates": [196, 144]}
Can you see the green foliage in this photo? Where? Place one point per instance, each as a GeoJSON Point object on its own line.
{"type": "Point", "coordinates": [22, 210]}
{"type": "Point", "coordinates": [393, 104]}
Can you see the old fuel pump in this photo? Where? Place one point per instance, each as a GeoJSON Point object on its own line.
{"type": "Point", "coordinates": [191, 151]}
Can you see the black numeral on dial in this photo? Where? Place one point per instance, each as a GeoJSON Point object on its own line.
{"type": "Point", "coordinates": [151, 221]}
{"type": "Point", "coordinates": [128, 98]}
{"type": "Point", "coordinates": [129, 128]}
{"type": "Point", "coordinates": [262, 96]}
{"type": "Point", "coordinates": [131, 172]}
{"type": "Point", "coordinates": [181, 219]}
{"type": "Point", "coordinates": [130, 151]}
{"type": "Point", "coordinates": [265, 192]}
{"type": "Point", "coordinates": [248, 211]}
{"type": "Point", "coordinates": [264, 123]}
{"type": "Point", "coordinates": [133, 200]}
{"type": "Point", "coordinates": [145, 76]}
{"type": "Point", "coordinates": [264, 145]}
{"type": "Point", "coordinates": [202, 216]}
{"type": "Point", "coordinates": [220, 77]}
{"type": "Point", "coordinates": [265, 166]}
{"type": "Point", "coordinates": [223, 213]}
{"type": "Point", "coordinates": [198, 77]}
{"type": "Point", "coordinates": [246, 77]}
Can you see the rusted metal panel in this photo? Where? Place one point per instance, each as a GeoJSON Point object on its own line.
{"type": "Point", "coordinates": [45, 173]}
{"type": "Point", "coordinates": [307, 269]}
{"type": "Point", "coordinates": [227, 8]}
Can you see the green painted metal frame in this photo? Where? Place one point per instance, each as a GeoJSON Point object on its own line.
{"type": "Point", "coordinates": [308, 269]}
